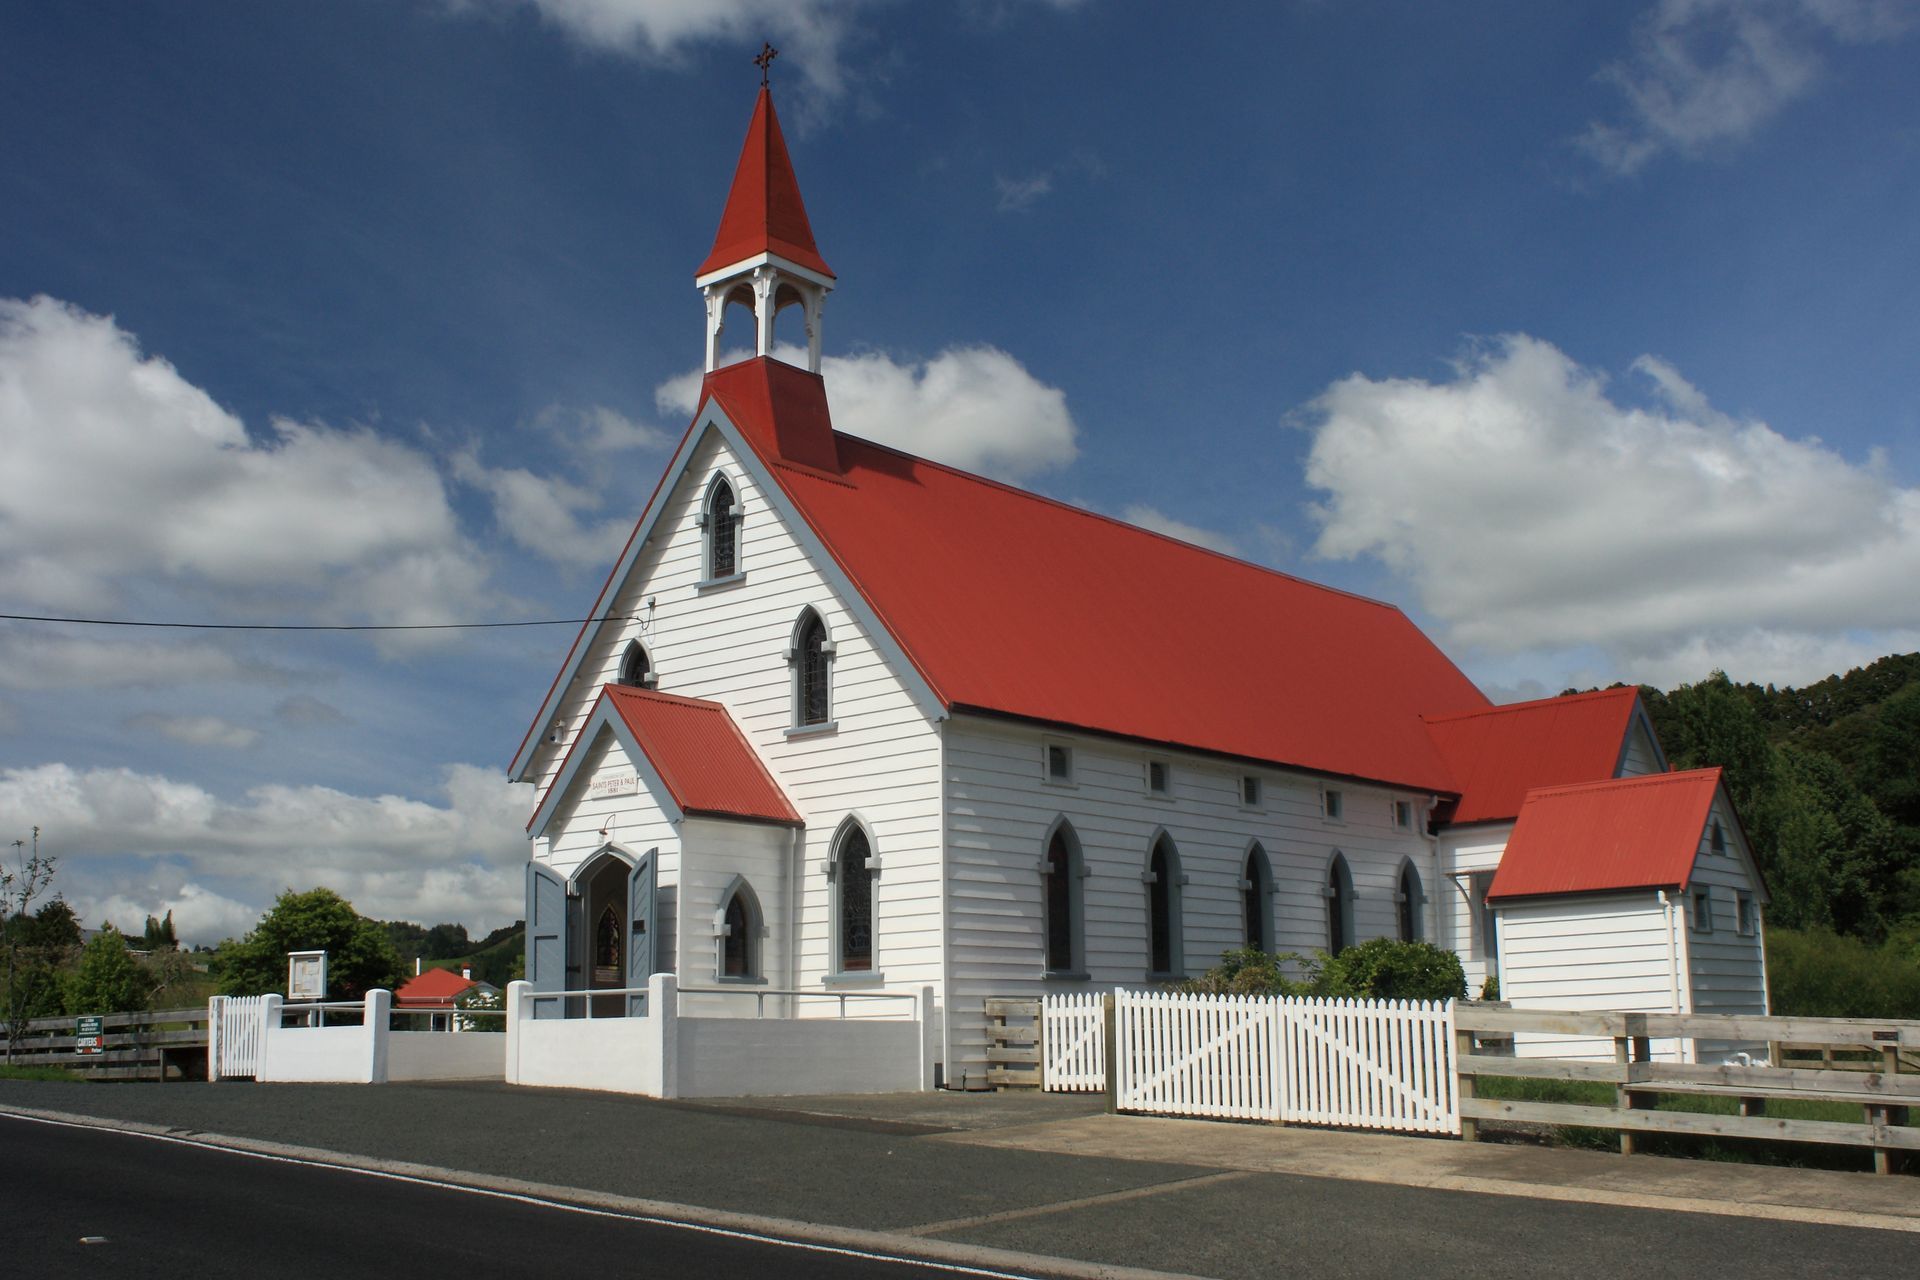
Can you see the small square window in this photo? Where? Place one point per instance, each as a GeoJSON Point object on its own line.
{"type": "Point", "coordinates": [1403, 813]}
{"type": "Point", "coordinates": [1159, 778]}
{"type": "Point", "coordinates": [1703, 910]}
{"type": "Point", "coordinates": [1748, 920]}
{"type": "Point", "coordinates": [1059, 762]}
{"type": "Point", "coordinates": [1249, 791]}
{"type": "Point", "coordinates": [1332, 804]}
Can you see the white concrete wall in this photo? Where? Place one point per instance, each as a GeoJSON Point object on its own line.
{"type": "Point", "coordinates": [1000, 807]}
{"type": "Point", "coordinates": [326, 1055]}
{"type": "Point", "coordinates": [740, 1057]}
{"type": "Point", "coordinates": [446, 1055]}
{"type": "Point", "coordinates": [1591, 952]}
{"type": "Point", "coordinates": [615, 1055]}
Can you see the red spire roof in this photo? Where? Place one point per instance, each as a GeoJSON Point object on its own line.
{"type": "Point", "coordinates": [1500, 754]}
{"type": "Point", "coordinates": [1628, 833]}
{"type": "Point", "coordinates": [764, 213]}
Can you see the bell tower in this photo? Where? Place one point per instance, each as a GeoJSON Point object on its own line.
{"type": "Point", "coordinates": [763, 256]}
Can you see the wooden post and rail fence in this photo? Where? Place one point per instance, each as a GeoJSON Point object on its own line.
{"type": "Point", "coordinates": [127, 1046]}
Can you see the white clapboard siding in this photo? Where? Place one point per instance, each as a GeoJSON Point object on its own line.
{"type": "Point", "coordinates": [1000, 809]}
{"type": "Point", "coordinates": [1373, 1064]}
{"type": "Point", "coordinates": [1725, 969]}
{"type": "Point", "coordinates": [1073, 1029]}
{"type": "Point", "coordinates": [1609, 951]}
{"type": "Point", "coordinates": [729, 644]}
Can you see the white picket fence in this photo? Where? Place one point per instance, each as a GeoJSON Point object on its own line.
{"type": "Point", "coordinates": [238, 1028]}
{"type": "Point", "coordinates": [1073, 1034]}
{"type": "Point", "coordinates": [1374, 1064]}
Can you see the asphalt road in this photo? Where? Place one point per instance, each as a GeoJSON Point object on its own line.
{"type": "Point", "coordinates": [900, 1167]}
{"type": "Point", "coordinates": [88, 1202]}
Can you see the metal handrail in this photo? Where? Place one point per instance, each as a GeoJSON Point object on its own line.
{"type": "Point", "coordinates": [760, 995]}
{"type": "Point", "coordinates": [564, 996]}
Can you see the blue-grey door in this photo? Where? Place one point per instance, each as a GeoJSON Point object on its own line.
{"type": "Point", "coordinates": [642, 957]}
{"type": "Point", "coordinates": [546, 938]}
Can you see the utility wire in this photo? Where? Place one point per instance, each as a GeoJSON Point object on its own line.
{"type": "Point", "coordinates": [296, 626]}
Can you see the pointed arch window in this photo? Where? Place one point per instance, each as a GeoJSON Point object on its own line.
{"type": "Point", "coordinates": [812, 659]}
{"type": "Point", "coordinates": [1410, 902]}
{"type": "Point", "coordinates": [853, 902]}
{"type": "Point", "coordinates": [740, 931]}
{"type": "Point", "coordinates": [636, 667]}
{"type": "Point", "coordinates": [1339, 893]}
{"type": "Point", "coordinates": [1163, 880]}
{"type": "Point", "coordinates": [1063, 869]}
{"type": "Point", "coordinates": [721, 519]}
{"type": "Point", "coordinates": [1256, 900]}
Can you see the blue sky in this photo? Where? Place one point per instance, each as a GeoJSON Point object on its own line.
{"type": "Point", "coordinates": [1584, 332]}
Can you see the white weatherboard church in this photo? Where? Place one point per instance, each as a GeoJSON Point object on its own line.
{"type": "Point", "coordinates": [853, 720]}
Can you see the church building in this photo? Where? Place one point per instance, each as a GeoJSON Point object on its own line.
{"type": "Point", "coordinates": [851, 720]}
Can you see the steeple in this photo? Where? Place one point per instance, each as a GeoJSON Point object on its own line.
{"type": "Point", "coordinates": [764, 256]}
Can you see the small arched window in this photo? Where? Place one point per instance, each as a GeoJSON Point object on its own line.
{"type": "Point", "coordinates": [1339, 891]}
{"type": "Point", "coordinates": [1163, 908]}
{"type": "Point", "coordinates": [740, 934]}
{"type": "Point", "coordinates": [722, 519]}
{"type": "Point", "coordinates": [1256, 900]}
{"type": "Point", "coordinates": [1061, 893]}
{"type": "Point", "coordinates": [812, 671]}
{"type": "Point", "coordinates": [636, 668]}
{"type": "Point", "coordinates": [853, 906]}
{"type": "Point", "coordinates": [1410, 901]}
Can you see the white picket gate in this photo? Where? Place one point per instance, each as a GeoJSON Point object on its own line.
{"type": "Point", "coordinates": [1073, 1040]}
{"type": "Point", "coordinates": [1372, 1064]}
{"type": "Point", "coordinates": [238, 1027]}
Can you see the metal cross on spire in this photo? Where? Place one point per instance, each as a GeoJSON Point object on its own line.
{"type": "Point", "coordinates": [764, 61]}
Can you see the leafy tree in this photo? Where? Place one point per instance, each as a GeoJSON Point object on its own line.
{"type": "Point", "coordinates": [360, 955]}
{"type": "Point", "coordinates": [1389, 969]}
{"type": "Point", "coordinates": [159, 935]}
{"type": "Point", "coordinates": [29, 986]}
{"type": "Point", "coordinates": [1817, 973]}
{"type": "Point", "coordinates": [446, 941]}
{"type": "Point", "coordinates": [109, 980]}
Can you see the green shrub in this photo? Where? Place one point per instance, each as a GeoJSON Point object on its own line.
{"type": "Point", "coordinates": [1388, 969]}
{"type": "Point", "coordinates": [1248, 972]}
{"type": "Point", "coordinates": [1818, 974]}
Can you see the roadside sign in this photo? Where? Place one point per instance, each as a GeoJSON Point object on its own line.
{"type": "Point", "coordinates": [87, 1035]}
{"type": "Point", "coordinates": [306, 975]}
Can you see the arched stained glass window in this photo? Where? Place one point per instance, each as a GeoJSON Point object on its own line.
{"type": "Point", "coordinates": [723, 531]}
{"type": "Point", "coordinates": [1339, 893]}
{"type": "Point", "coordinates": [813, 703]}
{"type": "Point", "coordinates": [854, 881]}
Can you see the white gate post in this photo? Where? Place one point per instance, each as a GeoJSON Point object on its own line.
{"type": "Point", "coordinates": [377, 1016]}
{"type": "Point", "coordinates": [516, 1009]}
{"type": "Point", "coordinates": [214, 1004]}
{"type": "Point", "coordinates": [663, 1010]}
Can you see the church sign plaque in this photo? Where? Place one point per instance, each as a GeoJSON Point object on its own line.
{"type": "Point", "coordinates": [624, 784]}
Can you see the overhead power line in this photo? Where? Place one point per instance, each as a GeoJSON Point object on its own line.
{"type": "Point", "coordinates": [313, 626]}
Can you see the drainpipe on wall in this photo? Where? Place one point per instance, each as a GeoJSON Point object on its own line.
{"type": "Point", "coordinates": [1433, 851]}
{"type": "Point", "coordinates": [796, 863]}
{"type": "Point", "coordinates": [1673, 953]}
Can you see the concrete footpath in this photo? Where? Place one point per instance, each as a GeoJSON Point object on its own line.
{"type": "Point", "coordinates": [1048, 1183]}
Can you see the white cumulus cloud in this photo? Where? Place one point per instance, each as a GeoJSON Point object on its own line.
{"type": "Point", "coordinates": [1707, 72]}
{"type": "Point", "coordinates": [1531, 510]}
{"type": "Point", "coordinates": [394, 857]}
{"type": "Point", "coordinates": [974, 407]}
{"type": "Point", "coordinates": [547, 515]}
{"type": "Point", "coordinates": [120, 471]}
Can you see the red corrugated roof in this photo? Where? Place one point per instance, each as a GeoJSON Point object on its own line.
{"type": "Point", "coordinates": [437, 987]}
{"type": "Point", "coordinates": [1012, 603]}
{"type": "Point", "coordinates": [1498, 755]}
{"type": "Point", "coordinates": [764, 213]}
{"type": "Point", "coordinates": [703, 759]}
{"type": "Point", "coordinates": [1626, 833]}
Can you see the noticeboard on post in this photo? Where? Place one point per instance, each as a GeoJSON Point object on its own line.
{"type": "Point", "coordinates": [306, 975]}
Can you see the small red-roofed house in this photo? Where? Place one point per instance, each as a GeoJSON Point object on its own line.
{"type": "Point", "coordinates": [848, 720]}
{"type": "Point", "coordinates": [437, 992]}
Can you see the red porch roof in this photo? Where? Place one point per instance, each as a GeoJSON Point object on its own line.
{"type": "Point", "coordinates": [702, 758]}
{"type": "Point", "coordinates": [432, 988]}
{"type": "Point", "coordinates": [1626, 833]}
{"type": "Point", "coordinates": [1499, 754]}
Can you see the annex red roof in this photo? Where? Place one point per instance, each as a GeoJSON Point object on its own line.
{"type": "Point", "coordinates": [764, 213]}
{"type": "Point", "coordinates": [701, 756]}
{"type": "Point", "coordinates": [1626, 833]}
{"type": "Point", "coordinates": [435, 988]}
{"type": "Point", "coordinates": [1011, 603]}
{"type": "Point", "coordinates": [1500, 754]}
